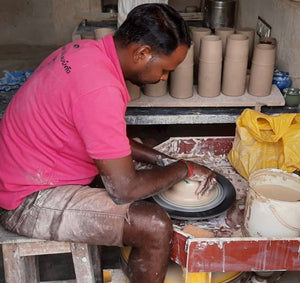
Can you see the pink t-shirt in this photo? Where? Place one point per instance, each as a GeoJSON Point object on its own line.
{"type": "Point", "coordinates": [69, 112]}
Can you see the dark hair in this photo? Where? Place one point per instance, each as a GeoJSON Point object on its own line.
{"type": "Point", "coordinates": [157, 25]}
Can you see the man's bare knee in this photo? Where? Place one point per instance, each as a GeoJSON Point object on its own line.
{"type": "Point", "coordinates": [149, 223]}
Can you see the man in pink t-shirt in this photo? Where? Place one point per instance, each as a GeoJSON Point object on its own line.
{"type": "Point", "coordinates": [66, 126]}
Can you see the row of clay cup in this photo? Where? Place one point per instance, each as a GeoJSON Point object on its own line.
{"type": "Point", "coordinates": [215, 75]}
{"type": "Point", "coordinates": [223, 33]}
{"type": "Point", "coordinates": [230, 77]}
{"type": "Point", "coordinates": [181, 81]}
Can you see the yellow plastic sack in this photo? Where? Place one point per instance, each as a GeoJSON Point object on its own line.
{"type": "Point", "coordinates": [263, 141]}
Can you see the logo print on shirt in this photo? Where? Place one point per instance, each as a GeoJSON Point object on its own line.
{"type": "Point", "coordinates": [64, 63]}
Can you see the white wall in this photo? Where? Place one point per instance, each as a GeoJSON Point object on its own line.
{"type": "Point", "coordinates": [284, 18]}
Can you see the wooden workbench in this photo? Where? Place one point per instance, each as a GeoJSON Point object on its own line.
{"type": "Point", "coordinates": [230, 249]}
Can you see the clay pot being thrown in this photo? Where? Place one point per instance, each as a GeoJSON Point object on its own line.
{"type": "Point", "coordinates": [183, 194]}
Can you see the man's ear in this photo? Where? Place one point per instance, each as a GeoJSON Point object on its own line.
{"type": "Point", "coordinates": [142, 54]}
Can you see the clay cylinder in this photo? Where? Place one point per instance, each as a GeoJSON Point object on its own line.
{"type": "Point", "coordinates": [211, 48]}
{"type": "Point", "coordinates": [197, 34]}
{"type": "Point", "coordinates": [134, 90]}
{"type": "Point", "coordinates": [268, 40]}
{"type": "Point", "coordinates": [210, 66]}
{"type": "Point", "coordinates": [156, 90]}
{"type": "Point", "coordinates": [223, 33]}
{"type": "Point", "coordinates": [235, 65]}
{"type": "Point", "coordinates": [250, 32]}
{"type": "Point", "coordinates": [103, 31]}
{"type": "Point", "coordinates": [181, 79]}
{"type": "Point", "coordinates": [262, 70]}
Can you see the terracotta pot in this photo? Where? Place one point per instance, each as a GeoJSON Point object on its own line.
{"type": "Point", "coordinates": [223, 33]}
{"type": "Point", "coordinates": [250, 32]}
{"type": "Point", "coordinates": [237, 47]}
{"type": "Point", "coordinates": [211, 49]}
{"type": "Point", "coordinates": [156, 90]}
{"type": "Point", "coordinates": [134, 90]}
{"type": "Point", "coordinates": [101, 32]}
{"type": "Point", "coordinates": [209, 78]}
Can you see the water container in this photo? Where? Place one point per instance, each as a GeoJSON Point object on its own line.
{"type": "Point", "coordinates": [219, 13]}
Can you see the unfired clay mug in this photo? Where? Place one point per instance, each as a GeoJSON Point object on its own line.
{"type": "Point", "coordinates": [235, 65]}
{"type": "Point", "coordinates": [134, 90]}
{"type": "Point", "coordinates": [156, 90]}
{"type": "Point", "coordinates": [262, 70]}
{"type": "Point", "coordinates": [182, 79]}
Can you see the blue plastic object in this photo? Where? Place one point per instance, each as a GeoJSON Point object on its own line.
{"type": "Point", "coordinates": [281, 79]}
{"type": "Point", "coordinates": [14, 80]}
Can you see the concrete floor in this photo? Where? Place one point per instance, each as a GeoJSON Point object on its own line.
{"type": "Point", "coordinates": [55, 267]}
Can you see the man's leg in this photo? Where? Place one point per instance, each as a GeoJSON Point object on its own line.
{"type": "Point", "coordinates": [149, 233]}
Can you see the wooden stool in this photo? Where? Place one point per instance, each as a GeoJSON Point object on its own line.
{"type": "Point", "coordinates": [21, 264]}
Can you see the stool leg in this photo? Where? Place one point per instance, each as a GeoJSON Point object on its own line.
{"type": "Point", "coordinates": [82, 263]}
{"type": "Point", "coordinates": [16, 267]}
{"type": "Point", "coordinates": [96, 260]}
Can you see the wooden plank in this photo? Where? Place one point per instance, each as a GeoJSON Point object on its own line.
{"type": "Point", "coordinates": [43, 248]}
{"type": "Point", "coordinates": [246, 100]}
{"type": "Point", "coordinates": [243, 254]}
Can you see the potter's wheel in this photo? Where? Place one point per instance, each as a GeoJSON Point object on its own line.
{"type": "Point", "coordinates": [211, 204]}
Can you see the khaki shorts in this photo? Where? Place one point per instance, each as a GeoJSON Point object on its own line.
{"type": "Point", "coordinates": [70, 213]}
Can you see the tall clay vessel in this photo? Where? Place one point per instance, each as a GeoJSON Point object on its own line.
{"type": "Point", "coordinates": [210, 66]}
{"type": "Point", "coordinates": [235, 65]}
{"type": "Point", "coordinates": [262, 70]}
{"type": "Point", "coordinates": [181, 79]}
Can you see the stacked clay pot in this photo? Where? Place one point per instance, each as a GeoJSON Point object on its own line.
{"type": "Point", "coordinates": [223, 33]}
{"type": "Point", "coordinates": [134, 90]}
{"type": "Point", "coordinates": [210, 66]}
{"type": "Point", "coordinates": [182, 79]}
{"type": "Point", "coordinates": [250, 32]}
{"type": "Point", "coordinates": [156, 90]}
{"type": "Point", "coordinates": [235, 65]}
{"type": "Point", "coordinates": [262, 70]}
{"type": "Point", "coordinates": [197, 34]}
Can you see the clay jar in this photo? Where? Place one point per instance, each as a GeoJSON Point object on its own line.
{"type": "Point", "coordinates": [235, 65]}
{"type": "Point", "coordinates": [181, 79]}
{"type": "Point", "coordinates": [262, 70]}
{"type": "Point", "coordinates": [101, 32]}
{"type": "Point", "coordinates": [250, 32]}
{"type": "Point", "coordinates": [134, 90]}
{"type": "Point", "coordinates": [156, 90]}
{"type": "Point", "coordinates": [223, 33]}
{"type": "Point", "coordinates": [210, 66]}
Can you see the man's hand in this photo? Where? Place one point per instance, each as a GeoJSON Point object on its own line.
{"type": "Point", "coordinates": [202, 174]}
